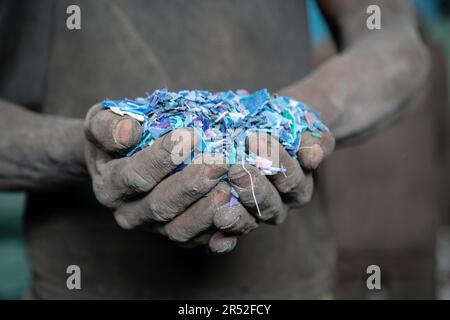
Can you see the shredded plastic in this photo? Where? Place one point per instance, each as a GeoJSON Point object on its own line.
{"type": "Point", "coordinates": [223, 120]}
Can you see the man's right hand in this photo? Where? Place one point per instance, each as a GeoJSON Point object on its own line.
{"type": "Point", "coordinates": [143, 192]}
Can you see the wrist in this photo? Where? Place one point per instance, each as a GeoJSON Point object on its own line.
{"type": "Point", "coordinates": [63, 141]}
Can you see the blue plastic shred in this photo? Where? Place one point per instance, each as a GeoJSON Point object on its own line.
{"type": "Point", "coordinates": [223, 119]}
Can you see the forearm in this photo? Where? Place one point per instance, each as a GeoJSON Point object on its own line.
{"type": "Point", "coordinates": [367, 85]}
{"type": "Point", "coordinates": [39, 151]}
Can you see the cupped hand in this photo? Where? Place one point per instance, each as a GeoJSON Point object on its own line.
{"type": "Point", "coordinates": [269, 198]}
{"type": "Point", "coordinates": [145, 194]}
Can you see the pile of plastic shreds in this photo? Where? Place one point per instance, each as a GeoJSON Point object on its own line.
{"type": "Point", "coordinates": [223, 120]}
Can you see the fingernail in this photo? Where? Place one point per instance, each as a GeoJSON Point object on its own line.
{"type": "Point", "coordinates": [125, 133]}
{"type": "Point", "coordinates": [312, 156]}
{"type": "Point", "coordinates": [221, 194]}
{"type": "Point", "coordinates": [228, 245]}
{"type": "Point", "coordinates": [224, 250]}
{"type": "Point", "coordinates": [226, 218]}
{"type": "Point", "coordinates": [220, 243]}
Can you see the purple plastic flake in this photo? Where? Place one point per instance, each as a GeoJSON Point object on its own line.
{"type": "Point", "coordinates": [233, 201]}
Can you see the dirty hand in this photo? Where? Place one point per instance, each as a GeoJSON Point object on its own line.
{"type": "Point", "coordinates": [276, 194]}
{"type": "Point", "coordinates": [143, 192]}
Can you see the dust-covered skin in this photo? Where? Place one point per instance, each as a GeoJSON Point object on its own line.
{"type": "Point", "coordinates": [357, 92]}
{"type": "Point", "coordinates": [276, 194]}
{"type": "Point", "coordinates": [146, 195]}
{"type": "Point", "coordinates": [141, 187]}
{"type": "Point", "coordinates": [39, 152]}
{"type": "Point", "coordinates": [366, 87]}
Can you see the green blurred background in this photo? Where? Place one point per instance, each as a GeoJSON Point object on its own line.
{"type": "Point", "coordinates": [14, 270]}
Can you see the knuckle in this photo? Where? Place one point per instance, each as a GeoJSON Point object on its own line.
{"type": "Point", "coordinates": [159, 163]}
{"type": "Point", "coordinates": [103, 194]}
{"type": "Point", "coordinates": [135, 181]}
{"type": "Point", "coordinates": [198, 188]}
{"type": "Point", "coordinates": [158, 211]}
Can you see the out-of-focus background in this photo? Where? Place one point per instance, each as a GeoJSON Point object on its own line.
{"type": "Point", "coordinates": [394, 211]}
{"type": "Point", "coordinates": [14, 271]}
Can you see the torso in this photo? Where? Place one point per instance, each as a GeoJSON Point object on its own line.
{"type": "Point", "coordinates": [126, 48]}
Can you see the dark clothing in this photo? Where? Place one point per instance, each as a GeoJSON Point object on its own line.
{"type": "Point", "coordinates": [126, 48]}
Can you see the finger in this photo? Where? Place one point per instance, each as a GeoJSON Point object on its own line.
{"type": "Point", "coordinates": [267, 147]}
{"type": "Point", "coordinates": [222, 243]}
{"type": "Point", "coordinates": [217, 242]}
{"type": "Point", "coordinates": [174, 194]}
{"type": "Point", "coordinates": [111, 132]}
{"type": "Point", "coordinates": [119, 179]}
{"type": "Point", "coordinates": [301, 194]}
{"type": "Point", "coordinates": [199, 216]}
{"type": "Point", "coordinates": [234, 219]}
{"type": "Point", "coordinates": [95, 158]}
{"type": "Point", "coordinates": [294, 184]}
{"type": "Point", "coordinates": [200, 240]}
{"type": "Point", "coordinates": [315, 147]}
{"type": "Point", "coordinates": [256, 192]}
